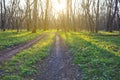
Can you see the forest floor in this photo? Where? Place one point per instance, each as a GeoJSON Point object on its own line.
{"type": "Point", "coordinates": [59, 65]}
{"type": "Point", "coordinates": [89, 56]}
{"type": "Point", "coordinates": [7, 53]}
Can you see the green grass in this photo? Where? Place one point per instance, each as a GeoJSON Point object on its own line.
{"type": "Point", "coordinates": [109, 33]}
{"type": "Point", "coordinates": [97, 56]}
{"type": "Point", "coordinates": [8, 38]}
{"type": "Point", "coordinates": [24, 65]}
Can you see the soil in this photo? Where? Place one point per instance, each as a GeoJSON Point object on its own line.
{"type": "Point", "coordinates": [6, 54]}
{"type": "Point", "coordinates": [59, 65]}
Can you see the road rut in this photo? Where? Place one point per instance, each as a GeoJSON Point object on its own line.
{"type": "Point", "coordinates": [6, 54]}
{"type": "Point", "coordinates": [59, 65]}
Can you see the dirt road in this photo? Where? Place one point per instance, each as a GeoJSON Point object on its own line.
{"type": "Point", "coordinates": [6, 54]}
{"type": "Point", "coordinates": [58, 66]}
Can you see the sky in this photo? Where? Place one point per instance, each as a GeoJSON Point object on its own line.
{"type": "Point", "coordinates": [22, 2]}
{"type": "Point", "coordinates": [57, 7]}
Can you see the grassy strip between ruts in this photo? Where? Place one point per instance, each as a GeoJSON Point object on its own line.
{"type": "Point", "coordinates": [23, 65]}
{"type": "Point", "coordinates": [8, 38]}
{"type": "Point", "coordinates": [97, 56]}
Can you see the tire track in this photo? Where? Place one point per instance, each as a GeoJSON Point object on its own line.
{"type": "Point", "coordinates": [58, 66]}
{"type": "Point", "coordinates": [8, 53]}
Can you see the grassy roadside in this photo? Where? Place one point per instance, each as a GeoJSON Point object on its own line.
{"type": "Point", "coordinates": [97, 56]}
{"type": "Point", "coordinates": [8, 38]}
{"type": "Point", "coordinates": [23, 65]}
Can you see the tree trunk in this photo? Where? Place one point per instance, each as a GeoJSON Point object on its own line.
{"type": "Point", "coordinates": [35, 17]}
{"type": "Point", "coordinates": [97, 17]}
{"type": "Point", "coordinates": [3, 15]}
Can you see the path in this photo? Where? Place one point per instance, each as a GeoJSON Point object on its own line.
{"type": "Point", "coordinates": [59, 64]}
{"type": "Point", "coordinates": [6, 54]}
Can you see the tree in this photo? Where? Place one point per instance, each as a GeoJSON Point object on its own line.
{"type": "Point", "coordinates": [97, 16]}
{"type": "Point", "coordinates": [3, 14]}
{"type": "Point", "coordinates": [46, 15]}
{"type": "Point", "coordinates": [28, 15]}
{"type": "Point", "coordinates": [35, 19]}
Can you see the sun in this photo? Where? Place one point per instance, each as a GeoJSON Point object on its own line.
{"type": "Point", "coordinates": [60, 6]}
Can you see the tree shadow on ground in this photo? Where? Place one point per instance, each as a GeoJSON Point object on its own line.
{"type": "Point", "coordinates": [96, 63]}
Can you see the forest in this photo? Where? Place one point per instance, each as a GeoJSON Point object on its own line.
{"type": "Point", "coordinates": [59, 39]}
{"type": "Point", "coordinates": [68, 15]}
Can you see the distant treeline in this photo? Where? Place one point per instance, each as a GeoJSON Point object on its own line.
{"type": "Point", "coordinates": [89, 15]}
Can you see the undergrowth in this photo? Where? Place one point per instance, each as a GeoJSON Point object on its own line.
{"type": "Point", "coordinates": [97, 56]}
{"type": "Point", "coordinates": [12, 38]}
{"type": "Point", "coordinates": [23, 65]}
